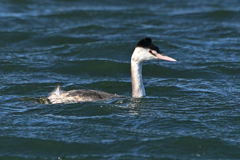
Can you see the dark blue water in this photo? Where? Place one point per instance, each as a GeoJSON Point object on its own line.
{"type": "Point", "coordinates": [192, 107]}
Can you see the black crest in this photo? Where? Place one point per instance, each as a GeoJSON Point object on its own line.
{"type": "Point", "coordinates": [147, 43]}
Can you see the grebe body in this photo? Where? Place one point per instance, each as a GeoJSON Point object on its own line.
{"type": "Point", "coordinates": [145, 50]}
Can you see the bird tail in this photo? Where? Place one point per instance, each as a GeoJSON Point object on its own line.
{"type": "Point", "coordinates": [57, 91]}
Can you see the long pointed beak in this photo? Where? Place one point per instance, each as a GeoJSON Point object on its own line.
{"type": "Point", "coordinates": [166, 58]}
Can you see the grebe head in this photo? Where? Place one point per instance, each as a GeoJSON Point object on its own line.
{"type": "Point", "coordinates": [145, 50]}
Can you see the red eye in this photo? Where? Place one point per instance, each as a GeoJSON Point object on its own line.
{"type": "Point", "coordinates": [150, 51]}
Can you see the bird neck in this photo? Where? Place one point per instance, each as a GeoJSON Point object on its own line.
{"type": "Point", "coordinates": [138, 89]}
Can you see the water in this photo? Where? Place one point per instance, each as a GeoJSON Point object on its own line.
{"type": "Point", "coordinates": [191, 110]}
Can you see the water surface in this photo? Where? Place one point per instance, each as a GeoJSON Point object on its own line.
{"type": "Point", "coordinates": [191, 110]}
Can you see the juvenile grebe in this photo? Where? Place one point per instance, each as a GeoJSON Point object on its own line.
{"type": "Point", "coordinates": [144, 50]}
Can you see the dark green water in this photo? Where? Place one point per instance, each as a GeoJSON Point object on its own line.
{"type": "Point", "coordinates": [192, 108]}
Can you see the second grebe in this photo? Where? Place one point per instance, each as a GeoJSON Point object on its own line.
{"type": "Point", "coordinates": [144, 50]}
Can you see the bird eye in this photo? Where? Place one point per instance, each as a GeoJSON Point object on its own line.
{"type": "Point", "coordinates": [150, 51]}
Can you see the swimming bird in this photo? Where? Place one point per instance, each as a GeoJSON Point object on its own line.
{"type": "Point", "coordinates": [145, 50]}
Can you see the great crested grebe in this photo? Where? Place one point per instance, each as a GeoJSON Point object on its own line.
{"type": "Point", "coordinates": [144, 50]}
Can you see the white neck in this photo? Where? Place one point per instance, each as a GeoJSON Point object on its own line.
{"type": "Point", "coordinates": [140, 55]}
{"type": "Point", "coordinates": [136, 75]}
